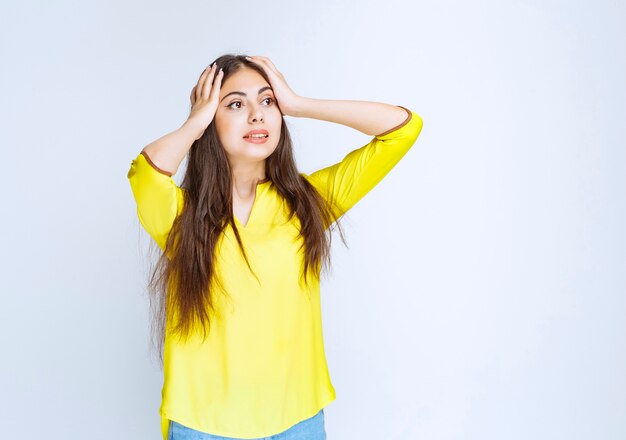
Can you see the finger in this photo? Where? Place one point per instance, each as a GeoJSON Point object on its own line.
{"type": "Point", "coordinates": [266, 62]}
{"type": "Point", "coordinates": [217, 85]}
{"type": "Point", "coordinates": [204, 73]}
{"type": "Point", "coordinates": [198, 86]}
{"type": "Point", "coordinates": [272, 66]}
{"type": "Point", "coordinates": [208, 84]}
{"type": "Point", "coordinates": [205, 82]}
{"type": "Point", "coordinates": [264, 59]}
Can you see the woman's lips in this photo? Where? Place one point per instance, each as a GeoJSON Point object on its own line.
{"type": "Point", "coordinates": [257, 131]}
{"type": "Point", "coordinates": [253, 136]}
{"type": "Point", "coordinates": [256, 140]}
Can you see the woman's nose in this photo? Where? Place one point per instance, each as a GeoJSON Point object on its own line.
{"type": "Point", "coordinates": [257, 116]}
{"type": "Point", "coordinates": [256, 111]}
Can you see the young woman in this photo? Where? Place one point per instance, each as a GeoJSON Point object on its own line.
{"type": "Point", "coordinates": [244, 239]}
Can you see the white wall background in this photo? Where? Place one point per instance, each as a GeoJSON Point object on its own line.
{"type": "Point", "coordinates": [483, 294]}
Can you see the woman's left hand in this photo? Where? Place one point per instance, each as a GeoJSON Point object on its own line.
{"type": "Point", "coordinates": [287, 99]}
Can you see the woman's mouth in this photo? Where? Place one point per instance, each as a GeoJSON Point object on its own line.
{"type": "Point", "coordinates": [257, 136]}
{"type": "Point", "coordinates": [256, 140]}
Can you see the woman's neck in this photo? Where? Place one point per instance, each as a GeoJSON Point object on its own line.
{"type": "Point", "coordinates": [246, 178]}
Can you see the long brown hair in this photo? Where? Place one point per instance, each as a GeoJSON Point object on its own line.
{"type": "Point", "coordinates": [186, 268]}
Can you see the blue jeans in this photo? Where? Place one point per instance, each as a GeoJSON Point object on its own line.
{"type": "Point", "coordinates": [309, 429]}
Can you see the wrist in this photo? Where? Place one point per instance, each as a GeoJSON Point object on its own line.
{"type": "Point", "coordinates": [297, 108]}
{"type": "Point", "coordinates": [193, 126]}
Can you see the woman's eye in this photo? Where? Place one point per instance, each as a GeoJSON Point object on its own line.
{"type": "Point", "coordinates": [239, 102]}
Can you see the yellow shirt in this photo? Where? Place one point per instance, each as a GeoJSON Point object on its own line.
{"type": "Point", "coordinates": [262, 368]}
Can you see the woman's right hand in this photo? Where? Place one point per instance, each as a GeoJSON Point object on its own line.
{"type": "Point", "coordinates": [204, 97]}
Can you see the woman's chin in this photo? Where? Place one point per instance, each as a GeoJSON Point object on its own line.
{"type": "Point", "coordinates": [258, 151]}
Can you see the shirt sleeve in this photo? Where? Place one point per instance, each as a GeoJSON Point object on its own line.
{"type": "Point", "coordinates": [348, 181]}
{"type": "Point", "coordinates": [159, 200]}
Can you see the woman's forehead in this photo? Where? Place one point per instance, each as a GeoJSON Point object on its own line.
{"type": "Point", "coordinates": [244, 81]}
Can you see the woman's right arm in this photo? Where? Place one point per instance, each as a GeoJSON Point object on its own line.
{"type": "Point", "coordinates": [167, 152]}
{"type": "Point", "coordinates": [159, 200]}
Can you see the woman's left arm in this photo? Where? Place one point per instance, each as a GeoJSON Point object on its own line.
{"type": "Point", "coordinates": [394, 129]}
{"type": "Point", "coordinates": [344, 183]}
{"type": "Point", "coordinates": [370, 118]}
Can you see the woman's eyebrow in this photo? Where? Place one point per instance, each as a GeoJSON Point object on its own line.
{"type": "Point", "coordinates": [261, 90]}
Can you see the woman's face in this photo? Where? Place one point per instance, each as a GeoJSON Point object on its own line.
{"type": "Point", "coordinates": [242, 108]}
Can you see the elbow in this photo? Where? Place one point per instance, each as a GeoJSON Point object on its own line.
{"type": "Point", "coordinates": [414, 128]}
{"type": "Point", "coordinates": [419, 123]}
